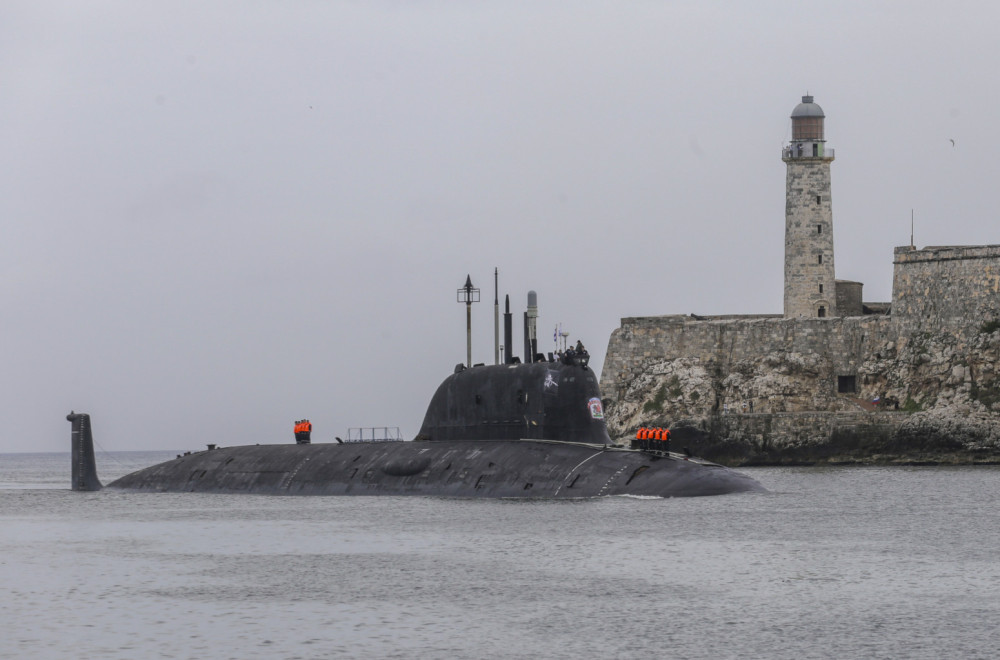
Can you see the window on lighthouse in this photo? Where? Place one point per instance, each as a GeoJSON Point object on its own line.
{"type": "Point", "coordinates": [822, 312]}
{"type": "Point", "coordinates": [821, 258]}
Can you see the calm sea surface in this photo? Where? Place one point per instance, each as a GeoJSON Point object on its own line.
{"type": "Point", "coordinates": [831, 563]}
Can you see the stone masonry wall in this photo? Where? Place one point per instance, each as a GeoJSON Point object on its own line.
{"type": "Point", "coordinates": [849, 298]}
{"type": "Point", "coordinates": [945, 285]}
{"type": "Point", "coordinates": [778, 365]}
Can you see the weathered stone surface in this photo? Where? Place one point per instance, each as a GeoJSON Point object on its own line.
{"type": "Point", "coordinates": [803, 387]}
{"type": "Point", "coordinates": [809, 263]}
{"type": "Point", "coordinates": [765, 390]}
{"type": "Point", "coordinates": [946, 285]}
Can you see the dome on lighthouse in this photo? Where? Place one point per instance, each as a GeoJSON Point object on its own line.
{"type": "Point", "coordinates": [807, 109]}
{"type": "Point", "coordinates": [807, 121]}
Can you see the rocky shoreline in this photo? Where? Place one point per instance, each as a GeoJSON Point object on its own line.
{"type": "Point", "coordinates": [923, 440]}
{"type": "Point", "coordinates": [937, 394]}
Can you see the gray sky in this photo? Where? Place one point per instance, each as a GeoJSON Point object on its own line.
{"type": "Point", "coordinates": [219, 217]}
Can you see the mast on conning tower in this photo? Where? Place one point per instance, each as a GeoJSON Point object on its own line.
{"type": "Point", "coordinates": [496, 316]}
{"type": "Point", "coordinates": [468, 294]}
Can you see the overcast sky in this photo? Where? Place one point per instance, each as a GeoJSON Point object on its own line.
{"type": "Point", "coordinates": [221, 216]}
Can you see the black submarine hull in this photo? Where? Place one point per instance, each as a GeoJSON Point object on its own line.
{"type": "Point", "coordinates": [518, 430]}
{"type": "Point", "coordinates": [510, 469]}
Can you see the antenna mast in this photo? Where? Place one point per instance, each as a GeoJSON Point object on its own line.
{"type": "Point", "coordinates": [496, 316]}
{"type": "Point", "coordinates": [468, 294]}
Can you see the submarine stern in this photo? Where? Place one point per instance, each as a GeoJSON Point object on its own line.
{"type": "Point", "coordinates": [84, 466]}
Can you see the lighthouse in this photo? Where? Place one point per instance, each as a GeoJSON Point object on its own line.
{"type": "Point", "coordinates": [810, 287]}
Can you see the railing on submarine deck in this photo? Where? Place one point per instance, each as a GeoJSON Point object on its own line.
{"type": "Point", "coordinates": [374, 434]}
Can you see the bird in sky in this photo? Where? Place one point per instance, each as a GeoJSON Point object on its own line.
{"type": "Point", "coordinates": [952, 142]}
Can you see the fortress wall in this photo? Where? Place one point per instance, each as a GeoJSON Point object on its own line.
{"type": "Point", "coordinates": [952, 289]}
{"type": "Point", "coordinates": [834, 346]}
{"type": "Point", "coordinates": [945, 285]}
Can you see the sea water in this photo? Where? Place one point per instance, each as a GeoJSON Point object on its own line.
{"type": "Point", "coordinates": [830, 563]}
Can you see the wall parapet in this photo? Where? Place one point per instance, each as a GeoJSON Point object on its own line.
{"type": "Point", "coordinates": [908, 254]}
{"type": "Point", "coordinates": [693, 318]}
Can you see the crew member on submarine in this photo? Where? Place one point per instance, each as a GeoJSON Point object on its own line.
{"type": "Point", "coordinates": [303, 432]}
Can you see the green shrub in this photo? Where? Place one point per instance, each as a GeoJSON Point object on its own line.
{"type": "Point", "coordinates": [675, 387]}
{"type": "Point", "coordinates": [986, 394]}
{"type": "Point", "coordinates": [911, 406]}
{"type": "Point", "coordinates": [990, 327]}
{"type": "Point", "coordinates": [656, 405]}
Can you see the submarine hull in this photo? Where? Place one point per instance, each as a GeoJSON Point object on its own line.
{"type": "Point", "coordinates": [533, 430]}
{"type": "Point", "coordinates": [510, 468]}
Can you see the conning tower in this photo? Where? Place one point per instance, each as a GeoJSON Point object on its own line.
{"type": "Point", "coordinates": [542, 401]}
{"type": "Point", "coordinates": [810, 287]}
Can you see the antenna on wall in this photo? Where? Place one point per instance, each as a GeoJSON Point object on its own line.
{"type": "Point", "coordinates": [912, 246]}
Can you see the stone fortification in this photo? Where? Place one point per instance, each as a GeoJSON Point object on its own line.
{"type": "Point", "coordinates": [849, 298]}
{"type": "Point", "coordinates": [833, 378]}
{"type": "Point", "coordinates": [775, 390]}
{"type": "Point", "coordinates": [950, 285]}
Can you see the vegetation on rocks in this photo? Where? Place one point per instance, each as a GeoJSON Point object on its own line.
{"type": "Point", "coordinates": [989, 327]}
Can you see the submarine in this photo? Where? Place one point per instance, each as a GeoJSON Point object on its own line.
{"type": "Point", "coordinates": [534, 430]}
{"type": "Point", "coordinates": [510, 430]}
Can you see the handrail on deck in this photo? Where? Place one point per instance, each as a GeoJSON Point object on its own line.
{"type": "Point", "coordinates": [374, 434]}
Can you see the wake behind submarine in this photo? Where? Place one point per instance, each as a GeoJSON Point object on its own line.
{"type": "Point", "coordinates": [533, 430]}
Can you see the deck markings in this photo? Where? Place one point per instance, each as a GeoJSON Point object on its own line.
{"type": "Point", "coordinates": [575, 468]}
{"type": "Point", "coordinates": [607, 484]}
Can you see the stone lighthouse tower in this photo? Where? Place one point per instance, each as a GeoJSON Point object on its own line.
{"type": "Point", "coordinates": [810, 287]}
